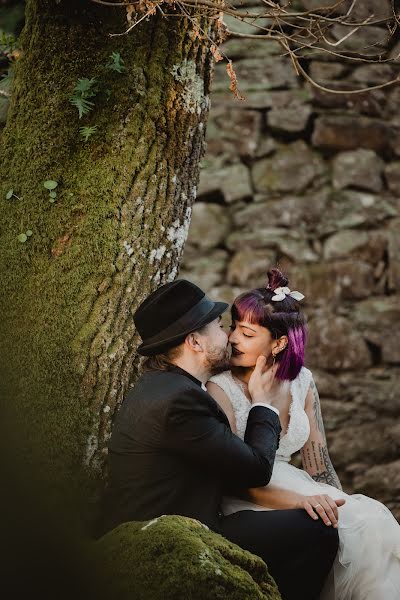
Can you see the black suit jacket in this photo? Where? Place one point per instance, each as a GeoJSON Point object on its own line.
{"type": "Point", "coordinates": [172, 451]}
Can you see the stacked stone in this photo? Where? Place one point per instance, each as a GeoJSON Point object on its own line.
{"type": "Point", "coordinates": [309, 180]}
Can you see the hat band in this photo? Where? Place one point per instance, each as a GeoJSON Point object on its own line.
{"type": "Point", "coordinates": [187, 321]}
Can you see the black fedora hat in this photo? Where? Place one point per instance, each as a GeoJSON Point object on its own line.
{"type": "Point", "coordinates": [171, 312]}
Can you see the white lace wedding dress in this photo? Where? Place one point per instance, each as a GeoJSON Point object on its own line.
{"type": "Point", "coordinates": [367, 566]}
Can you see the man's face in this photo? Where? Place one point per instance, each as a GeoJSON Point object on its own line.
{"type": "Point", "coordinates": [216, 348]}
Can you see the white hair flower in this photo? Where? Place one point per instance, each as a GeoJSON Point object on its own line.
{"type": "Point", "coordinates": [282, 292]}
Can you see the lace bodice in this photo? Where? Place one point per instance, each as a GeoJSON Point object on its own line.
{"type": "Point", "coordinates": [298, 429]}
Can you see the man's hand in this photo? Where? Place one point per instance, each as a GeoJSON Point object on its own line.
{"type": "Point", "coordinates": [261, 381]}
{"type": "Point", "coordinates": [322, 506]}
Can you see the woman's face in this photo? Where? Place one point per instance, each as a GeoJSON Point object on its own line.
{"type": "Point", "coordinates": [249, 341]}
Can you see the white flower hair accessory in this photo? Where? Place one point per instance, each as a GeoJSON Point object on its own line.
{"type": "Point", "coordinates": [282, 292]}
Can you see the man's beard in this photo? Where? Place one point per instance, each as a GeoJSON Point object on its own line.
{"type": "Point", "coordinates": [217, 360]}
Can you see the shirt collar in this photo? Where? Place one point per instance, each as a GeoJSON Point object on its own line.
{"type": "Point", "coordinates": [176, 369]}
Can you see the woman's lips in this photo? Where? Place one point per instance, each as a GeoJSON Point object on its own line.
{"type": "Point", "coordinates": [236, 352]}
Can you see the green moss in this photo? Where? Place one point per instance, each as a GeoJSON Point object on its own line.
{"type": "Point", "coordinates": [177, 558]}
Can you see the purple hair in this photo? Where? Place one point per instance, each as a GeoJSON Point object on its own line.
{"type": "Point", "coordinates": [281, 317]}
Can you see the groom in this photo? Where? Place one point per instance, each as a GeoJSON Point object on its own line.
{"type": "Point", "coordinates": [172, 450]}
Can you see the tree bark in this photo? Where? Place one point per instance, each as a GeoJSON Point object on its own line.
{"type": "Point", "coordinates": [117, 228]}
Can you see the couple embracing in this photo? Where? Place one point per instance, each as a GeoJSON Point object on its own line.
{"type": "Point", "coordinates": [208, 432]}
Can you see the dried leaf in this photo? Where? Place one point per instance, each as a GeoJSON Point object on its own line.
{"type": "Point", "coordinates": [232, 76]}
{"type": "Point", "coordinates": [216, 53]}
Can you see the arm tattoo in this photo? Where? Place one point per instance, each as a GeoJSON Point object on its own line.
{"type": "Point", "coordinates": [317, 408]}
{"type": "Point", "coordinates": [328, 475]}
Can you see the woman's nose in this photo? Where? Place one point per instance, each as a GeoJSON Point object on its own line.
{"type": "Point", "coordinates": [231, 337]}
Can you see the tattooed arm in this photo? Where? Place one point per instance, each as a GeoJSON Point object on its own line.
{"type": "Point", "coordinates": [314, 454]}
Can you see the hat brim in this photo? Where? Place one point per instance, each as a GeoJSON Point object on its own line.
{"type": "Point", "coordinates": [165, 344]}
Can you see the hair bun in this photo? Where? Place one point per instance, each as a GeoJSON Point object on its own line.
{"type": "Point", "coordinates": [276, 279]}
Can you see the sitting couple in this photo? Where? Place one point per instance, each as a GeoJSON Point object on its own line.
{"type": "Point", "coordinates": [210, 436]}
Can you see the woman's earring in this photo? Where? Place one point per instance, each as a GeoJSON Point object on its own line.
{"type": "Point", "coordinates": [273, 359]}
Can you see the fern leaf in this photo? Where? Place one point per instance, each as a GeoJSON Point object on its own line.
{"type": "Point", "coordinates": [84, 106]}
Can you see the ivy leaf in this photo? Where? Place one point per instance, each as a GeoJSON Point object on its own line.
{"type": "Point", "coordinates": [22, 238]}
{"type": "Point", "coordinates": [50, 184]}
{"type": "Point", "coordinates": [9, 194]}
{"type": "Point", "coordinates": [87, 132]}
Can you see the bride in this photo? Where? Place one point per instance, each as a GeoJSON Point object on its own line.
{"type": "Point", "coordinates": [268, 322]}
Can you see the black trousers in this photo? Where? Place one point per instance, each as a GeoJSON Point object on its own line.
{"type": "Point", "coordinates": [299, 551]}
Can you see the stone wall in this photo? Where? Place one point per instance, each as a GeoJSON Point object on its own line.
{"type": "Point", "coordinates": [310, 181]}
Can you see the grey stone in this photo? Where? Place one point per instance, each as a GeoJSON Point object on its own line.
{"type": "Point", "coordinates": [392, 174]}
{"type": "Point", "coordinates": [292, 119]}
{"type": "Point", "coordinates": [380, 481]}
{"type": "Point", "coordinates": [233, 132]}
{"type": "Point", "coordinates": [336, 132]}
{"type": "Point", "coordinates": [287, 243]}
{"type": "Point", "coordinates": [369, 75]}
{"type": "Point", "coordinates": [331, 283]}
{"type": "Point", "coordinates": [324, 71]}
{"type": "Point", "coordinates": [248, 268]}
{"type": "Point", "coordinates": [239, 48]}
{"type": "Point", "coordinates": [350, 208]}
{"type": "Point", "coordinates": [358, 168]}
{"type": "Point", "coordinates": [255, 79]}
{"type": "Point", "coordinates": [302, 213]}
{"type": "Point", "coordinates": [366, 443]}
{"type": "Point", "coordinates": [298, 212]}
{"type": "Point", "coordinates": [379, 319]}
{"type": "Point", "coordinates": [246, 26]}
{"type": "Point", "coordinates": [334, 344]}
{"type": "Point", "coordinates": [344, 243]}
{"type": "Point", "coordinates": [291, 169]}
{"type": "Point", "coordinates": [206, 270]}
{"type": "Point", "coordinates": [368, 41]}
{"type": "Point", "coordinates": [371, 104]}
{"type": "Point", "coordinates": [232, 181]}
{"type": "Point", "coordinates": [209, 226]}
{"type": "Point", "coordinates": [393, 233]}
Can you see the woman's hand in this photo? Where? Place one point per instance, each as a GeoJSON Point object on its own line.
{"type": "Point", "coordinates": [322, 506]}
{"type": "Point", "coordinates": [261, 381]}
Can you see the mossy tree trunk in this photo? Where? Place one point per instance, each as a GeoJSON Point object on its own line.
{"type": "Point", "coordinates": [117, 228]}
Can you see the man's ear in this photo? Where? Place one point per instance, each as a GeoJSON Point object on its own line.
{"type": "Point", "coordinates": [193, 342]}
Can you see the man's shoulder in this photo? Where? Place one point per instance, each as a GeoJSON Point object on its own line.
{"type": "Point", "coordinates": [161, 384]}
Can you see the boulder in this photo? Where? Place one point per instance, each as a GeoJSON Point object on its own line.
{"type": "Point", "coordinates": [176, 558]}
{"type": "Point", "coordinates": [360, 168]}
{"type": "Point", "coordinates": [291, 169]}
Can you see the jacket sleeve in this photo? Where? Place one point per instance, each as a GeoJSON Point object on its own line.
{"type": "Point", "coordinates": [195, 430]}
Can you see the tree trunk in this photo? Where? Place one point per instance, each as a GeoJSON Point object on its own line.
{"type": "Point", "coordinates": [118, 224]}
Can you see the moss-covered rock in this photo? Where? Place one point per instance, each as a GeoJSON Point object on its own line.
{"type": "Point", "coordinates": [174, 557]}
